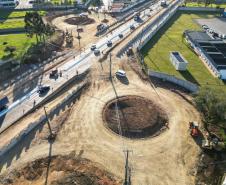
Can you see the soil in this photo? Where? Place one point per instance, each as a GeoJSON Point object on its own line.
{"type": "Point", "coordinates": [60, 170]}
{"type": "Point", "coordinates": [138, 117]}
{"type": "Point", "coordinates": [79, 20]}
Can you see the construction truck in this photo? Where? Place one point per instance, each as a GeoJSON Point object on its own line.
{"type": "Point", "coordinates": [194, 128]}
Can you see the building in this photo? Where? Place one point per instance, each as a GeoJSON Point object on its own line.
{"type": "Point", "coordinates": [178, 61]}
{"type": "Point", "coordinates": [211, 51]}
{"type": "Point", "coordinates": [8, 3]}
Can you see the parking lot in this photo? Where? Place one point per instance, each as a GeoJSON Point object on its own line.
{"type": "Point", "coordinates": [217, 24]}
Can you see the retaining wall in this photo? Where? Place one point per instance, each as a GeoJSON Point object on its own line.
{"type": "Point", "coordinates": [170, 78]}
{"type": "Point", "coordinates": [202, 9]}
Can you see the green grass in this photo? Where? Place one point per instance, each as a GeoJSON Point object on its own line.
{"type": "Point", "coordinates": [195, 4]}
{"type": "Point", "coordinates": [12, 23]}
{"type": "Point", "coordinates": [20, 41]}
{"type": "Point", "coordinates": [7, 14]}
{"type": "Point", "coordinates": [168, 39]}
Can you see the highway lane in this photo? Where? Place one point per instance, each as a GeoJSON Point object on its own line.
{"type": "Point", "coordinates": [80, 63]}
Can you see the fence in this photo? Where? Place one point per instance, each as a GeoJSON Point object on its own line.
{"type": "Point", "coordinates": [170, 78]}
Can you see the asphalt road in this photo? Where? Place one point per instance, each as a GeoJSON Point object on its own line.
{"type": "Point", "coordinates": [78, 64]}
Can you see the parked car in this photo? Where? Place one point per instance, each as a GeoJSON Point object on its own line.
{"type": "Point", "coordinates": [43, 89]}
{"type": "Point", "coordinates": [109, 43]}
{"type": "Point", "coordinates": [120, 73]}
{"type": "Point", "coordinates": [205, 27]}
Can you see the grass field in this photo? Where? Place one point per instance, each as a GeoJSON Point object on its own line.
{"type": "Point", "coordinates": [7, 14]}
{"type": "Point", "coordinates": [12, 23]}
{"type": "Point", "coordinates": [169, 38]}
{"type": "Point", "coordinates": [20, 41]}
{"type": "Point", "coordinates": [195, 4]}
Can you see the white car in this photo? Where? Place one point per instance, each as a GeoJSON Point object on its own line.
{"type": "Point", "coordinates": [96, 52]}
{"type": "Point", "coordinates": [120, 73]}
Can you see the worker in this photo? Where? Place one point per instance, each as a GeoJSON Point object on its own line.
{"type": "Point", "coordinates": [34, 102]}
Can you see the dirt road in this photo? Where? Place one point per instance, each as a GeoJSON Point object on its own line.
{"type": "Point", "coordinates": [168, 158]}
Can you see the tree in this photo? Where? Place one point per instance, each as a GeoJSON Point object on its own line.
{"type": "Point", "coordinates": [34, 25]}
{"type": "Point", "coordinates": [10, 49]}
{"type": "Point", "coordinates": [212, 104]}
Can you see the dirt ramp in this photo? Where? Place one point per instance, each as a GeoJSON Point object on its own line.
{"type": "Point", "coordinates": [60, 170]}
{"type": "Point", "coordinates": [134, 117]}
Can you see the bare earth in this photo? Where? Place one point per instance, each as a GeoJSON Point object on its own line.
{"type": "Point", "coordinates": [168, 158]}
{"type": "Point", "coordinates": [88, 36]}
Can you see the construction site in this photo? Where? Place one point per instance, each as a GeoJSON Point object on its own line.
{"type": "Point", "coordinates": [110, 123]}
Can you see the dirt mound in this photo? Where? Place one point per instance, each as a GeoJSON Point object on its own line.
{"type": "Point", "coordinates": [139, 117]}
{"type": "Point", "coordinates": [79, 21]}
{"type": "Point", "coordinates": [60, 170]}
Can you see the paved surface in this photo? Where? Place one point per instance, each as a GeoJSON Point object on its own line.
{"type": "Point", "coordinates": [80, 63]}
{"type": "Point", "coordinates": [217, 24]}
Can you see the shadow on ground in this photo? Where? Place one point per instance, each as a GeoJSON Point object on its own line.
{"type": "Point", "coordinates": [189, 77]}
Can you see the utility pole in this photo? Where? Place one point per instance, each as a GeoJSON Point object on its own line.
{"type": "Point", "coordinates": [110, 75]}
{"type": "Point", "coordinates": [48, 123]}
{"type": "Point", "coordinates": [79, 38]}
{"type": "Point", "coordinates": [127, 180]}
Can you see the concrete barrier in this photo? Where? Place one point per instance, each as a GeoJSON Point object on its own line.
{"type": "Point", "coordinates": [170, 78]}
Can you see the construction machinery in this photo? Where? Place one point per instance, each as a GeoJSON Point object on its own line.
{"type": "Point", "coordinates": [194, 128]}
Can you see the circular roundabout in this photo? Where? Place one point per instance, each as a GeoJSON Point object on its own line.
{"type": "Point", "coordinates": [134, 117]}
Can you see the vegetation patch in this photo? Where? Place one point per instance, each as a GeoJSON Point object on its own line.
{"type": "Point", "coordinates": [170, 38]}
{"type": "Point", "coordinates": [20, 41]}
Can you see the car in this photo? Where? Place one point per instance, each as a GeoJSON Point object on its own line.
{"type": "Point", "coordinates": [132, 27]}
{"type": "Point", "coordinates": [120, 73]}
{"type": "Point", "coordinates": [210, 31]}
{"type": "Point", "coordinates": [109, 43]}
{"type": "Point", "coordinates": [43, 89]}
{"type": "Point", "coordinates": [136, 18]}
{"type": "Point", "coordinates": [93, 47]}
{"type": "Point", "coordinates": [205, 27]}
{"type": "Point", "coordinates": [120, 35]}
{"type": "Point", "coordinates": [96, 52]}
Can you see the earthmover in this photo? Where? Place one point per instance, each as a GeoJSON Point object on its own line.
{"type": "Point", "coordinates": [194, 128]}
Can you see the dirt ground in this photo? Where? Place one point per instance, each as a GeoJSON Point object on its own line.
{"type": "Point", "coordinates": [61, 170]}
{"type": "Point", "coordinates": [88, 36]}
{"type": "Point", "coordinates": [168, 158]}
{"type": "Point", "coordinates": [138, 117]}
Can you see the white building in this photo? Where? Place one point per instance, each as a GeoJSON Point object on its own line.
{"type": "Point", "coordinates": [8, 3]}
{"type": "Point", "coordinates": [178, 61]}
